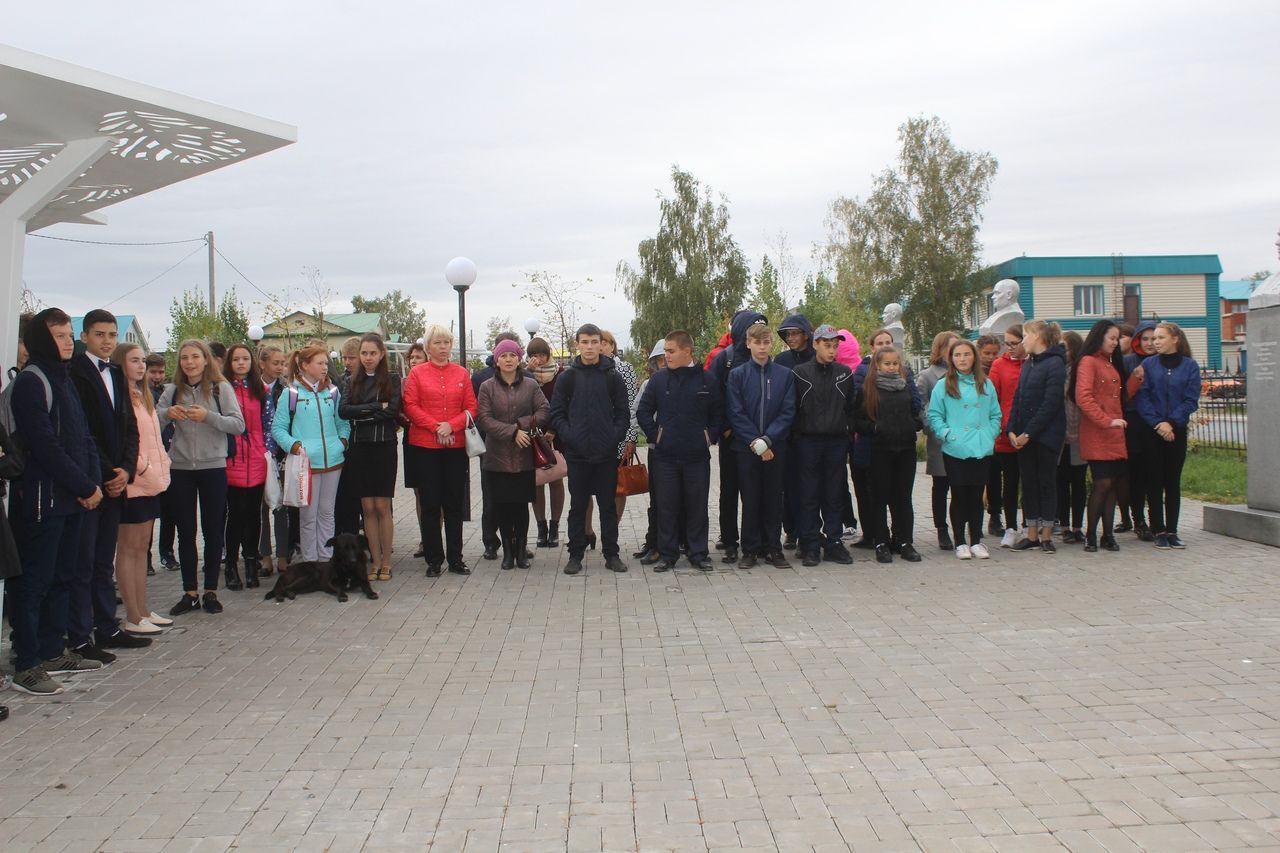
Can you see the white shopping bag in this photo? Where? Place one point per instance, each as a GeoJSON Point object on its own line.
{"type": "Point", "coordinates": [297, 480]}
{"type": "Point", "coordinates": [272, 494]}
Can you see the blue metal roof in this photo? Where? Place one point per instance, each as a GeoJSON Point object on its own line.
{"type": "Point", "coordinates": [1107, 265]}
{"type": "Point", "coordinates": [1235, 291]}
{"type": "Point", "coordinates": [123, 322]}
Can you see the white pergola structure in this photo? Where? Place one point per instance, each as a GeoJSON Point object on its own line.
{"type": "Point", "coordinates": [73, 141]}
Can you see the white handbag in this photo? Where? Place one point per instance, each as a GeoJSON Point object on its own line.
{"type": "Point", "coordinates": [475, 444]}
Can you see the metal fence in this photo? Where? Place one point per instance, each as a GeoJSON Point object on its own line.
{"type": "Point", "coordinates": [1222, 421]}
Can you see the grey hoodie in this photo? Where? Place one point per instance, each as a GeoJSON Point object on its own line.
{"type": "Point", "coordinates": [200, 446]}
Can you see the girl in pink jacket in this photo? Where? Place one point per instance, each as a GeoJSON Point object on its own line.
{"type": "Point", "coordinates": [246, 468]}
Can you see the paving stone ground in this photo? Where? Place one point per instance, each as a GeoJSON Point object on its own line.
{"type": "Point", "coordinates": [1107, 702]}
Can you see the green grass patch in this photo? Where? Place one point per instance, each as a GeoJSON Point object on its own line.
{"type": "Point", "coordinates": [1217, 476]}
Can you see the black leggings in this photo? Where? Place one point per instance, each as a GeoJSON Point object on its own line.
{"type": "Point", "coordinates": [1164, 478]}
{"type": "Point", "coordinates": [244, 522]}
{"type": "Point", "coordinates": [1071, 494]}
{"type": "Point", "coordinates": [966, 509]}
{"type": "Point", "coordinates": [940, 487]}
{"type": "Point", "coordinates": [1002, 488]}
{"type": "Point", "coordinates": [1102, 502]}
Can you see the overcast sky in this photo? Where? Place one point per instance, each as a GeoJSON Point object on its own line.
{"type": "Point", "coordinates": [535, 136]}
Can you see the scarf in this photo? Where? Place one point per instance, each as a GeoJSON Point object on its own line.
{"type": "Point", "coordinates": [890, 381]}
{"type": "Point", "coordinates": [543, 375]}
{"type": "Point", "coordinates": [1169, 362]}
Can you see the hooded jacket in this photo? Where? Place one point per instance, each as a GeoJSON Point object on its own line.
{"type": "Point", "coordinates": [1168, 393]}
{"type": "Point", "coordinates": [1133, 359]}
{"type": "Point", "coordinates": [965, 426]}
{"type": "Point", "coordinates": [61, 456]}
{"type": "Point", "coordinates": [201, 446]}
{"type": "Point", "coordinates": [761, 403]}
{"type": "Point", "coordinates": [314, 423]}
{"type": "Point", "coordinates": [589, 411]}
{"type": "Point", "coordinates": [791, 358]}
{"type": "Point", "coordinates": [824, 400]}
{"type": "Point", "coordinates": [112, 424]}
{"type": "Point", "coordinates": [849, 351]}
{"type": "Point", "coordinates": [1038, 404]}
{"type": "Point", "coordinates": [1004, 375]}
{"type": "Point", "coordinates": [681, 413]}
{"type": "Point", "coordinates": [864, 442]}
{"type": "Point", "coordinates": [737, 353]}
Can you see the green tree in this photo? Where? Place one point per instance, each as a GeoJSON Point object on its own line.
{"type": "Point", "coordinates": [496, 326]}
{"type": "Point", "coordinates": [692, 266]}
{"type": "Point", "coordinates": [914, 239]}
{"type": "Point", "coordinates": [830, 301]}
{"type": "Point", "coordinates": [400, 313]}
{"type": "Point", "coordinates": [767, 298]}
{"type": "Point", "coordinates": [190, 317]}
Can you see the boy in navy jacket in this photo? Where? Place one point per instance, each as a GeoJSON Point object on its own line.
{"type": "Point", "coordinates": [761, 405]}
{"type": "Point", "coordinates": [680, 414]}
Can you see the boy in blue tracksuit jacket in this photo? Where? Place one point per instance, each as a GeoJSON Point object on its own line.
{"type": "Point", "coordinates": [761, 404]}
{"type": "Point", "coordinates": [681, 416]}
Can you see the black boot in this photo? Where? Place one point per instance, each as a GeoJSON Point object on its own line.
{"type": "Point", "coordinates": [522, 551]}
{"type": "Point", "coordinates": [508, 551]}
{"type": "Point", "coordinates": [542, 534]}
{"type": "Point", "coordinates": [553, 535]}
{"type": "Point", "coordinates": [251, 570]}
{"type": "Point", "coordinates": [231, 573]}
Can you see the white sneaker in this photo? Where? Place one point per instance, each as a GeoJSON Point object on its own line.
{"type": "Point", "coordinates": [980, 551]}
{"type": "Point", "coordinates": [1010, 536]}
{"type": "Point", "coordinates": [963, 552]}
{"type": "Point", "coordinates": [143, 627]}
{"type": "Point", "coordinates": [157, 619]}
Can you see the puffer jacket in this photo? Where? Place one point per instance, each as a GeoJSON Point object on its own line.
{"type": "Point", "coordinates": [761, 403]}
{"type": "Point", "coordinates": [792, 358]}
{"type": "Point", "coordinates": [435, 394]}
{"type": "Point", "coordinates": [1004, 375]}
{"type": "Point", "coordinates": [681, 413]}
{"type": "Point", "coordinates": [61, 456]}
{"type": "Point", "coordinates": [314, 423]}
{"type": "Point", "coordinates": [503, 409]}
{"type": "Point", "coordinates": [896, 422]}
{"type": "Point", "coordinates": [1169, 393]}
{"type": "Point", "coordinates": [151, 474]}
{"type": "Point", "coordinates": [590, 412]}
{"type": "Point", "coordinates": [966, 426]}
{"type": "Point", "coordinates": [1037, 409]}
{"type": "Point", "coordinates": [247, 468]}
{"type": "Point", "coordinates": [726, 341]}
{"type": "Point", "coordinates": [1098, 400]}
{"type": "Point", "coordinates": [824, 400]}
{"type": "Point", "coordinates": [371, 422]}
{"type": "Point", "coordinates": [929, 378]}
{"type": "Point", "coordinates": [865, 443]}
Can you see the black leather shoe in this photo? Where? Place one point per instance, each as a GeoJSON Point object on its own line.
{"type": "Point", "coordinates": [490, 552]}
{"type": "Point", "coordinates": [730, 555]}
{"type": "Point", "coordinates": [789, 544]}
{"type": "Point", "coordinates": [650, 558]}
{"type": "Point", "coordinates": [883, 554]}
{"type": "Point", "coordinates": [909, 553]}
{"type": "Point", "coordinates": [1109, 542]}
{"type": "Point", "coordinates": [508, 563]}
{"type": "Point", "coordinates": [664, 566]}
{"type": "Point", "coordinates": [433, 570]}
{"type": "Point", "coordinates": [779, 560]}
{"type": "Point", "coordinates": [211, 603]}
{"type": "Point", "coordinates": [459, 569]}
{"type": "Point", "coordinates": [615, 564]}
{"type": "Point", "coordinates": [944, 541]}
{"type": "Point", "coordinates": [811, 558]}
{"type": "Point", "coordinates": [748, 561]}
{"type": "Point", "coordinates": [1090, 545]}
{"type": "Point", "coordinates": [704, 565]}
{"type": "Point", "coordinates": [837, 554]}
{"type": "Point", "coordinates": [573, 567]}
{"type": "Point", "coordinates": [121, 640]}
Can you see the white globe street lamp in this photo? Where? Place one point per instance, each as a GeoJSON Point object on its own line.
{"type": "Point", "coordinates": [256, 333]}
{"type": "Point", "coordinates": [532, 325]}
{"type": "Point", "coordinates": [461, 274]}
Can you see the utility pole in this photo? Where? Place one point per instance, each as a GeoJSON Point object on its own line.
{"type": "Point", "coordinates": [213, 297]}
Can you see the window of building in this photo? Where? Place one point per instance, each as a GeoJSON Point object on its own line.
{"type": "Point", "coordinates": [1239, 331]}
{"type": "Point", "coordinates": [1088, 300]}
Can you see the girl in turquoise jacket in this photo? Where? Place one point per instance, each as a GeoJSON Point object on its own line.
{"type": "Point", "coordinates": [306, 420]}
{"type": "Point", "coordinates": [964, 413]}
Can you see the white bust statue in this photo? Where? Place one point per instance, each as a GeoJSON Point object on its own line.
{"type": "Point", "coordinates": [1007, 310]}
{"type": "Point", "coordinates": [891, 320]}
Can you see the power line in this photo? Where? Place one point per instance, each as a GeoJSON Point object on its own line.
{"type": "Point", "coordinates": [115, 243]}
{"type": "Point", "coordinates": [157, 278]}
{"type": "Point", "coordinates": [242, 275]}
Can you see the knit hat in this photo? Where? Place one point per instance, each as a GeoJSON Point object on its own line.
{"type": "Point", "coordinates": [505, 347]}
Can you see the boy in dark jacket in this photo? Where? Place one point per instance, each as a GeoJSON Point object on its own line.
{"type": "Point", "coordinates": [591, 416]}
{"type": "Point", "coordinates": [108, 409]}
{"type": "Point", "coordinates": [761, 405]}
{"type": "Point", "coordinates": [731, 356]}
{"type": "Point", "coordinates": [820, 438]}
{"type": "Point", "coordinates": [797, 333]}
{"type": "Point", "coordinates": [59, 484]}
{"type": "Point", "coordinates": [680, 414]}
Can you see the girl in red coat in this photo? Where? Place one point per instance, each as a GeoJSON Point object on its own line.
{"type": "Point", "coordinates": [1003, 487]}
{"type": "Point", "coordinates": [437, 400]}
{"type": "Point", "coordinates": [246, 469]}
{"type": "Point", "coordinates": [1099, 394]}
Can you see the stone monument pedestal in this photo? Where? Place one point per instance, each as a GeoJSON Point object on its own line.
{"type": "Point", "coordinates": [1259, 521]}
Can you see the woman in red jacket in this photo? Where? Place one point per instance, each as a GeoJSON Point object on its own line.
{"type": "Point", "coordinates": [246, 468]}
{"type": "Point", "coordinates": [1099, 394]}
{"type": "Point", "coordinates": [437, 400]}
{"type": "Point", "coordinates": [1003, 486]}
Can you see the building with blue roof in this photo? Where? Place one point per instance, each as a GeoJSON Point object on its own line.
{"type": "Point", "coordinates": [130, 330]}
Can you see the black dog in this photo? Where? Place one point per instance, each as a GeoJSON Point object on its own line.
{"type": "Point", "coordinates": [347, 569]}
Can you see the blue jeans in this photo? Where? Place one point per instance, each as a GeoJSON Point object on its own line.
{"type": "Point", "coordinates": [49, 551]}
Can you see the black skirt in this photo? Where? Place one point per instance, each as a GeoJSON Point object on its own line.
{"type": "Point", "coordinates": [515, 488]}
{"type": "Point", "coordinates": [138, 510]}
{"type": "Point", "coordinates": [1108, 469]}
{"type": "Point", "coordinates": [369, 469]}
{"type": "Point", "coordinates": [967, 472]}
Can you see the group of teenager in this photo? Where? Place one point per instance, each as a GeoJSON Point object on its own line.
{"type": "Point", "coordinates": [108, 446]}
